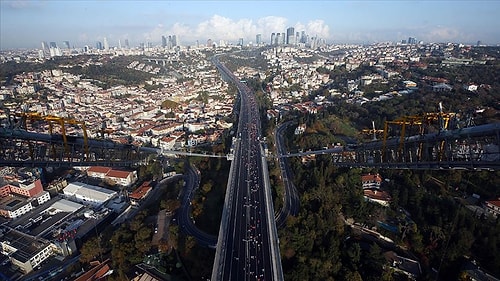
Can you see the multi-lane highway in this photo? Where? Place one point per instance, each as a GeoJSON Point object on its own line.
{"type": "Point", "coordinates": [247, 247]}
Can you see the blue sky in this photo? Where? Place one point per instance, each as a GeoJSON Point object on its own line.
{"type": "Point", "coordinates": [24, 24]}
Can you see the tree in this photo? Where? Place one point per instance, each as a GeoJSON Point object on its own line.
{"type": "Point", "coordinates": [91, 250]}
{"type": "Point", "coordinates": [353, 253]}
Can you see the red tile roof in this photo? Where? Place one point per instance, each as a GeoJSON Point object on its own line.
{"type": "Point", "coordinates": [377, 194]}
{"type": "Point", "coordinates": [494, 202]}
{"type": "Point", "coordinates": [140, 192]}
{"type": "Point", "coordinates": [118, 174]}
{"type": "Point", "coordinates": [371, 178]}
{"type": "Point", "coordinates": [99, 169]}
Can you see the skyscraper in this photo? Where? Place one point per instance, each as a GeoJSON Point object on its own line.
{"type": "Point", "coordinates": [98, 45]}
{"type": "Point", "coordinates": [127, 44]}
{"type": "Point", "coordinates": [66, 44]}
{"type": "Point", "coordinates": [45, 49]}
{"type": "Point", "coordinates": [240, 42]}
{"type": "Point", "coordinates": [290, 36]}
{"type": "Point", "coordinates": [273, 38]}
{"type": "Point", "coordinates": [303, 37]}
{"type": "Point", "coordinates": [258, 39]}
{"type": "Point", "coordinates": [54, 49]}
{"type": "Point", "coordinates": [106, 45]}
{"type": "Point", "coordinates": [163, 41]}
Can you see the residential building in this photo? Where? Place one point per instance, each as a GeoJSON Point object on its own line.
{"type": "Point", "coordinates": [26, 190]}
{"type": "Point", "coordinates": [300, 129]}
{"type": "Point", "coordinates": [470, 87]}
{"type": "Point", "coordinates": [123, 178]}
{"type": "Point", "coordinates": [442, 87]}
{"type": "Point", "coordinates": [409, 84]}
{"type": "Point", "coordinates": [99, 271]}
{"type": "Point", "coordinates": [377, 196]}
{"type": "Point", "coordinates": [98, 172]}
{"type": "Point", "coordinates": [409, 267]}
{"type": "Point", "coordinates": [14, 206]}
{"type": "Point", "coordinates": [371, 181]}
{"type": "Point", "coordinates": [492, 207]}
{"type": "Point", "coordinates": [167, 143]}
{"type": "Point", "coordinates": [25, 251]}
{"type": "Point", "coordinates": [140, 193]}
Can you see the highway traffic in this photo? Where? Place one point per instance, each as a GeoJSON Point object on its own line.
{"type": "Point", "coordinates": [247, 247]}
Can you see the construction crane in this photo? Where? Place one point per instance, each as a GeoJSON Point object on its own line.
{"type": "Point", "coordinates": [423, 124]}
{"type": "Point", "coordinates": [373, 132]}
{"type": "Point", "coordinates": [55, 120]}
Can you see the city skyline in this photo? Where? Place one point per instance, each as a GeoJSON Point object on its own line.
{"type": "Point", "coordinates": [24, 24]}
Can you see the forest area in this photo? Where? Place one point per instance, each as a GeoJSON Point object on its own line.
{"type": "Point", "coordinates": [443, 232]}
{"type": "Point", "coordinates": [428, 208]}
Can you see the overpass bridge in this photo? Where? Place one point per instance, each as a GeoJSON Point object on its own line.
{"type": "Point", "coordinates": [471, 148]}
{"type": "Point", "coordinates": [160, 61]}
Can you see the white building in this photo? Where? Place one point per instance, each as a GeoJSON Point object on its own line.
{"type": "Point", "coordinates": [25, 251]}
{"type": "Point", "coordinates": [123, 178]}
{"type": "Point", "coordinates": [16, 206]}
{"type": "Point", "coordinates": [88, 194]}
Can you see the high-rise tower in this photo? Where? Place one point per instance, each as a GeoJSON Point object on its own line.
{"type": "Point", "coordinates": [290, 36]}
{"type": "Point", "coordinates": [279, 40]}
{"type": "Point", "coordinates": [163, 41]}
{"type": "Point", "coordinates": [258, 39]}
{"type": "Point", "coordinates": [106, 44]}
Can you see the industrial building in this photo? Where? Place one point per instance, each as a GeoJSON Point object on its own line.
{"type": "Point", "coordinates": [87, 194]}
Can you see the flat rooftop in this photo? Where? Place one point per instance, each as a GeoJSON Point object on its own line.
{"type": "Point", "coordinates": [27, 246]}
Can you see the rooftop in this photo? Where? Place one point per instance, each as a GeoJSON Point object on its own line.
{"type": "Point", "coordinates": [27, 246]}
{"type": "Point", "coordinates": [89, 191]}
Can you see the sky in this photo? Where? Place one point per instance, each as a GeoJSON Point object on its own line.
{"type": "Point", "coordinates": [26, 23]}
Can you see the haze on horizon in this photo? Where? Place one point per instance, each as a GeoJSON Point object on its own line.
{"type": "Point", "coordinates": [26, 23]}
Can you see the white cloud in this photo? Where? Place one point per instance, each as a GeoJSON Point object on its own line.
{"type": "Point", "coordinates": [442, 34]}
{"type": "Point", "coordinates": [155, 34]}
{"type": "Point", "coordinates": [270, 24]}
{"type": "Point", "coordinates": [83, 38]}
{"type": "Point", "coordinates": [219, 27]}
{"type": "Point", "coordinates": [319, 28]}
{"type": "Point", "coordinates": [223, 28]}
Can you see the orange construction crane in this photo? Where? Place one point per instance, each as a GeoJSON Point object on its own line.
{"type": "Point", "coordinates": [423, 123]}
{"type": "Point", "coordinates": [372, 132]}
{"type": "Point", "coordinates": [51, 119]}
